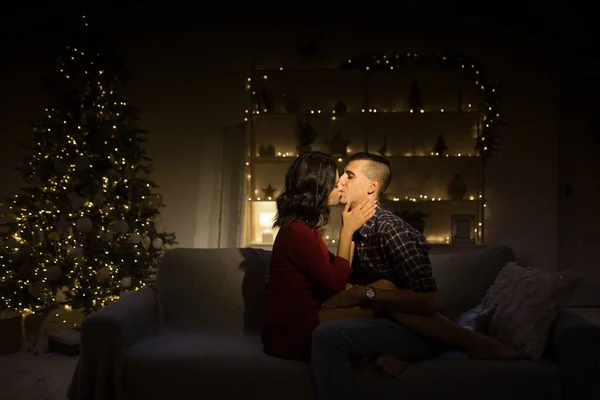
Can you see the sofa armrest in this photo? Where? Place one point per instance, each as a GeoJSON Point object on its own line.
{"type": "Point", "coordinates": [105, 335]}
{"type": "Point", "coordinates": [575, 346]}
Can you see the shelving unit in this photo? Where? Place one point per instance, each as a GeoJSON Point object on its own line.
{"type": "Point", "coordinates": [367, 110]}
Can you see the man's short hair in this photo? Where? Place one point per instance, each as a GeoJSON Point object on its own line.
{"type": "Point", "coordinates": [378, 168]}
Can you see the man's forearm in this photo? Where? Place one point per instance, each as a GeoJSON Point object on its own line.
{"type": "Point", "coordinates": [403, 301]}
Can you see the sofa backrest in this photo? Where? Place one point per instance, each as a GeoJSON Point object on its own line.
{"type": "Point", "coordinates": [216, 290]}
{"type": "Point", "coordinates": [222, 290]}
{"type": "Point", "coordinates": [463, 278]}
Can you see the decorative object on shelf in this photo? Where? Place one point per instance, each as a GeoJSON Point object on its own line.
{"type": "Point", "coordinates": [258, 101]}
{"type": "Point", "coordinates": [270, 151]}
{"type": "Point", "coordinates": [487, 141]}
{"type": "Point", "coordinates": [262, 151]}
{"type": "Point", "coordinates": [267, 102]}
{"type": "Point", "coordinates": [306, 136]}
{"type": "Point", "coordinates": [309, 48]}
{"type": "Point", "coordinates": [266, 151]}
{"type": "Point", "coordinates": [459, 101]}
{"type": "Point", "coordinates": [267, 236]}
{"type": "Point", "coordinates": [338, 145]}
{"type": "Point", "coordinates": [340, 108]}
{"type": "Point", "coordinates": [440, 149]}
{"type": "Point", "coordinates": [415, 101]}
{"type": "Point", "coordinates": [414, 218]}
{"type": "Point", "coordinates": [256, 105]}
{"type": "Point", "coordinates": [292, 106]}
{"type": "Point", "coordinates": [383, 149]}
{"type": "Point", "coordinates": [269, 191]}
{"type": "Point", "coordinates": [463, 227]}
{"type": "Point", "coordinates": [457, 188]}
{"type": "Point", "coordinates": [265, 222]}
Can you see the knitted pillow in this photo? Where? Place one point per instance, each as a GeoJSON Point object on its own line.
{"type": "Point", "coordinates": [524, 302]}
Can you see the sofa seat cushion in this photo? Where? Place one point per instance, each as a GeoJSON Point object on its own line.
{"type": "Point", "coordinates": [182, 365]}
{"type": "Point", "coordinates": [452, 376]}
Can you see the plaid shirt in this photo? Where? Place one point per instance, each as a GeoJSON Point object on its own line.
{"type": "Point", "coordinates": [389, 248]}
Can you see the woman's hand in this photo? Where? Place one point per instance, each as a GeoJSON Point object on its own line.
{"type": "Point", "coordinates": [353, 220]}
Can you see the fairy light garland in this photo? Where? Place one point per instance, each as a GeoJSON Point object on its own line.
{"type": "Point", "coordinates": [488, 140]}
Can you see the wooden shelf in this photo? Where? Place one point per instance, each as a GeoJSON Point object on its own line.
{"type": "Point", "coordinates": [328, 114]}
{"type": "Point", "coordinates": [377, 115]}
{"type": "Point", "coordinates": [277, 160]}
{"type": "Point", "coordinates": [434, 247]}
{"type": "Point", "coordinates": [289, 158]}
{"type": "Point", "coordinates": [443, 201]}
{"type": "Point", "coordinates": [391, 202]}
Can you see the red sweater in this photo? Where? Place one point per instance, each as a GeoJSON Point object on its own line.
{"type": "Point", "coordinates": [301, 276]}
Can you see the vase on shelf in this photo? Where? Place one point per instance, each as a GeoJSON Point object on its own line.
{"type": "Point", "coordinates": [383, 149]}
{"type": "Point", "coordinates": [414, 218]}
{"type": "Point", "coordinates": [440, 149]}
{"type": "Point", "coordinates": [270, 151]}
{"type": "Point", "coordinates": [415, 101]}
{"type": "Point", "coordinates": [306, 136]}
{"type": "Point", "coordinates": [457, 188]}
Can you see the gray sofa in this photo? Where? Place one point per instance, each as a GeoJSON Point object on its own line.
{"type": "Point", "coordinates": [195, 334]}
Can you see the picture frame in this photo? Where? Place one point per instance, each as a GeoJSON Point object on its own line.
{"type": "Point", "coordinates": [463, 229]}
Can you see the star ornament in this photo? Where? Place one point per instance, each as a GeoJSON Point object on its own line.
{"type": "Point", "coordinates": [269, 192]}
{"type": "Point", "coordinates": [338, 145]}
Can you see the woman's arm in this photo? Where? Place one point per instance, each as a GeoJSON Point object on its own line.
{"type": "Point", "coordinates": [345, 244]}
{"type": "Point", "coordinates": [308, 255]}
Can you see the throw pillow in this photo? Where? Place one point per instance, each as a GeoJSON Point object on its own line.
{"type": "Point", "coordinates": [470, 318]}
{"type": "Point", "coordinates": [525, 302]}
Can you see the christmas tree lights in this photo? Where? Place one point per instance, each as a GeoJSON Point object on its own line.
{"type": "Point", "coordinates": [86, 219]}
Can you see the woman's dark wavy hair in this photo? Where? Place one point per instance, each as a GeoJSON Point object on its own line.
{"type": "Point", "coordinates": [308, 183]}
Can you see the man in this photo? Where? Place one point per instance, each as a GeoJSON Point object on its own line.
{"type": "Point", "coordinates": [389, 249]}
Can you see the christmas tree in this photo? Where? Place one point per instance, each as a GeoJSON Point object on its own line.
{"type": "Point", "coordinates": [85, 222]}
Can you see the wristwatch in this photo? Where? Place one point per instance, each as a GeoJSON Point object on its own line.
{"type": "Point", "coordinates": [369, 293]}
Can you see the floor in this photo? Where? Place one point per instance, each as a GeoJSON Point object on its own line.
{"type": "Point", "coordinates": [47, 376]}
{"type": "Point", "coordinates": [25, 377]}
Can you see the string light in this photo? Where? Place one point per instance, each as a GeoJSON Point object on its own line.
{"type": "Point", "coordinates": [405, 199]}
{"type": "Point", "coordinates": [486, 139]}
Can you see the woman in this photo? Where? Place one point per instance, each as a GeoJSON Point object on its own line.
{"type": "Point", "coordinates": [303, 274]}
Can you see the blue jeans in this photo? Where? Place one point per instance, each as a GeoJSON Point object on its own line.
{"type": "Point", "coordinates": [336, 342]}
